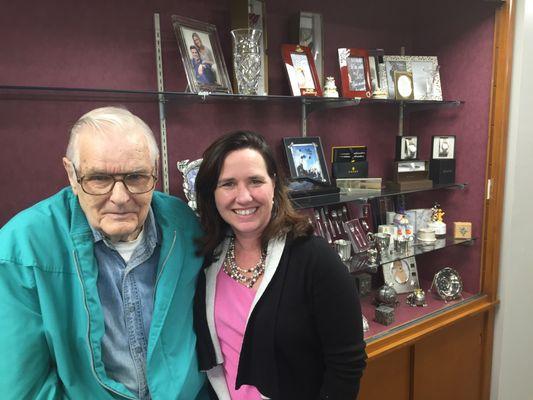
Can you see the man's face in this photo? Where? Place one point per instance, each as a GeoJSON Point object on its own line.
{"type": "Point", "coordinates": [119, 215]}
{"type": "Point", "coordinates": [195, 54]}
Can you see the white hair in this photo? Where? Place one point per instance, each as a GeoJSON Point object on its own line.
{"type": "Point", "coordinates": [101, 119]}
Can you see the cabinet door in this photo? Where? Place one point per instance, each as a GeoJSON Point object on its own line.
{"type": "Point", "coordinates": [387, 377]}
{"type": "Point", "coordinates": [448, 364]}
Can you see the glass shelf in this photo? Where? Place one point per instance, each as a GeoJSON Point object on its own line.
{"type": "Point", "coordinates": [363, 195]}
{"type": "Point", "coordinates": [311, 103]}
{"type": "Point", "coordinates": [361, 263]}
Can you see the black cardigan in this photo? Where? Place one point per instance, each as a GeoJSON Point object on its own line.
{"type": "Point", "coordinates": [304, 339]}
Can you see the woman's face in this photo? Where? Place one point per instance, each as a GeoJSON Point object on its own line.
{"type": "Point", "coordinates": [244, 193]}
{"type": "Point", "coordinates": [197, 41]}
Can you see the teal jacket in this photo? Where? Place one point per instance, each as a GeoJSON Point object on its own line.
{"type": "Point", "coordinates": [51, 321]}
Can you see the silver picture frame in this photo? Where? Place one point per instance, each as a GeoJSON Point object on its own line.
{"type": "Point", "coordinates": [402, 275]}
{"type": "Point", "coordinates": [426, 75]}
{"type": "Point", "coordinates": [201, 55]}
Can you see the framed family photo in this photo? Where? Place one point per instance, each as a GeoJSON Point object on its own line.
{"type": "Point", "coordinates": [306, 158]}
{"type": "Point", "coordinates": [355, 73]}
{"type": "Point", "coordinates": [301, 70]}
{"type": "Point", "coordinates": [201, 55]}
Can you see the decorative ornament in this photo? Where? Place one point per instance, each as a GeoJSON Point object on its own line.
{"type": "Point", "coordinates": [330, 90]}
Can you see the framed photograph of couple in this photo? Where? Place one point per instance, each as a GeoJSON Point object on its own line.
{"type": "Point", "coordinates": [306, 158]}
{"type": "Point", "coordinates": [201, 55]}
{"type": "Point", "coordinates": [355, 73]}
{"type": "Point", "coordinates": [300, 66]}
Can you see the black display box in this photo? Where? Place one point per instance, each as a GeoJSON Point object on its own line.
{"type": "Point", "coordinates": [357, 169]}
{"type": "Point", "coordinates": [442, 170]}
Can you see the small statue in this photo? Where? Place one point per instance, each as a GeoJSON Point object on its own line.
{"type": "Point", "coordinates": [437, 223]}
{"type": "Point", "coordinates": [330, 90]}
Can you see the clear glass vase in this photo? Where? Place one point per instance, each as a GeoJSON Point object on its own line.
{"type": "Point", "coordinates": [247, 59]}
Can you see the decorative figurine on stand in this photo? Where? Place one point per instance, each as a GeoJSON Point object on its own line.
{"type": "Point", "coordinates": [417, 298]}
{"type": "Point", "coordinates": [437, 223]}
{"type": "Point", "coordinates": [330, 90]}
{"type": "Point", "coordinates": [404, 237]}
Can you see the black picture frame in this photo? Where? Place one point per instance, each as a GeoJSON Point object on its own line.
{"type": "Point", "coordinates": [305, 157]}
{"type": "Point", "coordinates": [443, 147]}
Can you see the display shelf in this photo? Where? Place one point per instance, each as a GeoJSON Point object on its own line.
{"type": "Point", "coordinates": [361, 263]}
{"type": "Point", "coordinates": [405, 315]}
{"type": "Point", "coordinates": [311, 103]}
{"type": "Point", "coordinates": [363, 196]}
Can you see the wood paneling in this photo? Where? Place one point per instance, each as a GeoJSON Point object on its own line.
{"type": "Point", "coordinates": [387, 377]}
{"type": "Point", "coordinates": [447, 364]}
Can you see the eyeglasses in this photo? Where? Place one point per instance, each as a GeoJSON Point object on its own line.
{"type": "Point", "coordinates": [100, 184]}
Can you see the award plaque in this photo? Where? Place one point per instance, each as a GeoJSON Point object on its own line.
{"type": "Point", "coordinates": [189, 170]}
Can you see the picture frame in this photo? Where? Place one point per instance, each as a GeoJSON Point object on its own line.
{"type": "Point", "coordinates": [252, 14]}
{"type": "Point", "coordinates": [402, 275]}
{"type": "Point", "coordinates": [426, 75]}
{"type": "Point", "coordinates": [201, 55]}
{"type": "Point", "coordinates": [403, 85]}
{"type": "Point", "coordinates": [301, 70]}
{"type": "Point", "coordinates": [377, 72]}
{"type": "Point", "coordinates": [189, 170]}
{"type": "Point", "coordinates": [355, 73]}
{"type": "Point", "coordinates": [443, 147]}
{"type": "Point", "coordinates": [393, 63]}
{"type": "Point", "coordinates": [406, 148]}
{"type": "Point", "coordinates": [307, 29]}
{"type": "Point", "coordinates": [306, 158]}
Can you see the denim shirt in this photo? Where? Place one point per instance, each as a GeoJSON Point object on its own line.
{"type": "Point", "coordinates": [126, 293]}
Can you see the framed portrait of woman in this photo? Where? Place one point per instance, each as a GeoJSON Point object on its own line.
{"type": "Point", "coordinates": [201, 55]}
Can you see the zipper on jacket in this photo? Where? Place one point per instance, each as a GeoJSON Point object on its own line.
{"type": "Point", "coordinates": [160, 272]}
{"type": "Point", "coordinates": [76, 261]}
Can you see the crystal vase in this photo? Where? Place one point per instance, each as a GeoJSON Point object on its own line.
{"type": "Point", "coordinates": [247, 59]}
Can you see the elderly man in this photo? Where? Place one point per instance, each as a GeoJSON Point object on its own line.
{"type": "Point", "coordinates": [97, 282]}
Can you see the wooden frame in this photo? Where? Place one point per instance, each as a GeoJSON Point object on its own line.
{"type": "Point", "coordinates": [301, 70]}
{"type": "Point", "coordinates": [201, 55]}
{"type": "Point", "coordinates": [355, 73]}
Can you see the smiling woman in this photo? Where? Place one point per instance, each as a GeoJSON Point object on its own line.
{"type": "Point", "coordinates": [278, 301]}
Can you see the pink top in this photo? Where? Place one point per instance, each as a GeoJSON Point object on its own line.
{"type": "Point", "coordinates": [232, 305]}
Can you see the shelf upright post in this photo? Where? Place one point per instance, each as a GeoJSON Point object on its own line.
{"type": "Point", "coordinates": [162, 119]}
{"type": "Point", "coordinates": [304, 118]}
{"type": "Point", "coordinates": [402, 104]}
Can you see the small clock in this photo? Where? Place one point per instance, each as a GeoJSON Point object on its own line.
{"type": "Point", "coordinates": [447, 284]}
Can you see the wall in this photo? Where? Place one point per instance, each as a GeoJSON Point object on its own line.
{"type": "Point", "coordinates": [513, 347]}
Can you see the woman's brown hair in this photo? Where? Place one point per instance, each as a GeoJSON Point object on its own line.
{"type": "Point", "coordinates": [284, 218]}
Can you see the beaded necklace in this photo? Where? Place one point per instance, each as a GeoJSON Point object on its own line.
{"type": "Point", "coordinates": [238, 274]}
